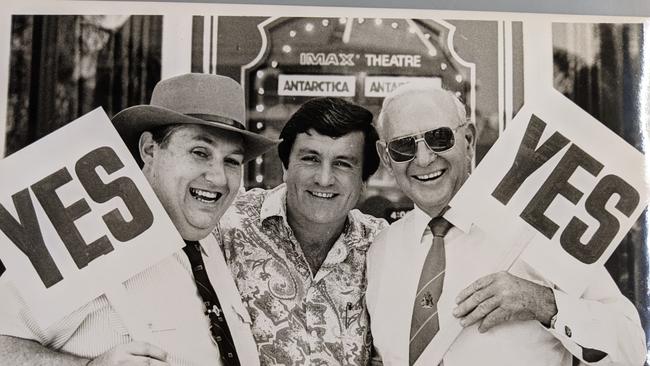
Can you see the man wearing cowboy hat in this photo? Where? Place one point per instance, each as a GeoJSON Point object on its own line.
{"type": "Point", "coordinates": [191, 145]}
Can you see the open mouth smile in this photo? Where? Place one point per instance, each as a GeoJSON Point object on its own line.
{"type": "Point", "coordinates": [322, 195]}
{"type": "Point", "coordinates": [429, 177]}
{"type": "Point", "coordinates": [205, 196]}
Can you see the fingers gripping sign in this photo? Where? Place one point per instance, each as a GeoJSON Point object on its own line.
{"type": "Point", "coordinates": [501, 297]}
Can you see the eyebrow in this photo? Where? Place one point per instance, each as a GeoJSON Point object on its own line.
{"type": "Point", "coordinates": [204, 138]}
{"type": "Point", "coordinates": [210, 141]}
{"type": "Point", "coordinates": [350, 158]}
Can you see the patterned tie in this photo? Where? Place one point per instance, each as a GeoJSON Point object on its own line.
{"type": "Point", "coordinates": [424, 322]}
{"type": "Point", "coordinates": [218, 325]}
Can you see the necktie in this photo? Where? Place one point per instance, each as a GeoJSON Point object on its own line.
{"type": "Point", "coordinates": [218, 325]}
{"type": "Point", "coordinates": [424, 321]}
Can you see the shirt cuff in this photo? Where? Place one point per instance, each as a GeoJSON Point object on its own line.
{"type": "Point", "coordinates": [566, 325]}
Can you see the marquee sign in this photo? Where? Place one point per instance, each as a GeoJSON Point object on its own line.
{"type": "Point", "coordinates": [356, 58]}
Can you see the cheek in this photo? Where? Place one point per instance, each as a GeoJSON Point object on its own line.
{"type": "Point", "coordinates": [399, 172]}
{"type": "Point", "coordinates": [234, 177]}
{"type": "Point", "coordinates": [298, 176]}
{"type": "Point", "coordinates": [353, 183]}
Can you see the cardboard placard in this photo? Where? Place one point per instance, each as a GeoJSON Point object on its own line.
{"type": "Point", "coordinates": [79, 220]}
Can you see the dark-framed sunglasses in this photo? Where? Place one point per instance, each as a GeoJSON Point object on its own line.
{"type": "Point", "coordinates": [403, 149]}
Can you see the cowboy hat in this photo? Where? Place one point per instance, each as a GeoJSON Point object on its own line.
{"type": "Point", "coordinates": [204, 99]}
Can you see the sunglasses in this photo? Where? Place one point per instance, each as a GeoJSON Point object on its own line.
{"type": "Point", "coordinates": [403, 149]}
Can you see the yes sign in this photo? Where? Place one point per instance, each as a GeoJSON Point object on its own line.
{"type": "Point", "coordinates": [79, 221]}
{"type": "Point", "coordinates": [562, 179]}
{"type": "Point", "coordinates": [25, 232]}
{"type": "Point", "coordinates": [530, 158]}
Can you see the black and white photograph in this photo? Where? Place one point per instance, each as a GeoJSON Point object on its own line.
{"type": "Point", "coordinates": [212, 184]}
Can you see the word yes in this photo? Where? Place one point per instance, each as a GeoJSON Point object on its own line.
{"type": "Point", "coordinates": [529, 158]}
{"type": "Point", "coordinates": [25, 232]}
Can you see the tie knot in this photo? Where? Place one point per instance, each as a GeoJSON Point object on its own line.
{"type": "Point", "coordinates": [439, 226]}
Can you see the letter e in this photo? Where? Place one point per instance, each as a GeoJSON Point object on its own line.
{"type": "Point", "coordinates": [63, 219]}
{"type": "Point", "coordinates": [558, 183]}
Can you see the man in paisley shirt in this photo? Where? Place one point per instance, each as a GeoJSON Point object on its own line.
{"type": "Point", "coordinates": [297, 252]}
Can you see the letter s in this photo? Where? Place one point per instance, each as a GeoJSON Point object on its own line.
{"type": "Point", "coordinates": [595, 205]}
{"type": "Point", "coordinates": [122, 187]}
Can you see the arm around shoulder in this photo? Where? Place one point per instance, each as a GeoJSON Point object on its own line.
{"type": "Point", "coordinates": [19, 351]}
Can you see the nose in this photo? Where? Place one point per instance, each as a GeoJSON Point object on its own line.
{"type": "Point", "coordinates": [423, 155]}
{"type": "Point", "coordinates": [216, 174]}
{"type": "Point", "coordinates": [324, 175]}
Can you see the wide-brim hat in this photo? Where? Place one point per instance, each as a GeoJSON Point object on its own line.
{"type": "Point", "coordinates": [204, 99]}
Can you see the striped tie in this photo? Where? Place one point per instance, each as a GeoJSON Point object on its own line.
{"type": "Point", "coordinates": [424, 322]}
{"type": "Point", "coordinates": [218, 326]}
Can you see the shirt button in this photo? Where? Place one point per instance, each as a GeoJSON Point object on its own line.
{"type": "Point", "coordinates": [567, 331]}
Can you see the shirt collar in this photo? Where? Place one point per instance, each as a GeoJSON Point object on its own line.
{"type": "Point", "coordinates": [275, 204]}
{"type": "Point", "coordinates": [421, 220]}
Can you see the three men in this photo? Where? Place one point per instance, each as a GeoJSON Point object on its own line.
{"type": "Point", "coordinates": [298, 252]}
{"type": "Point", "coordinates": [422, 271]}
{"type": "Point", "coordinates": [191, 143]}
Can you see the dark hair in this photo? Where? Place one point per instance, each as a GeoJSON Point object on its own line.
{"type": "Point", "coordinates": [159, 135]}
{"type": "Point", "coordinates": [332, 117]}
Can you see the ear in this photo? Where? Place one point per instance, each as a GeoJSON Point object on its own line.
{"type": "Point", "coordinates": [147, 147]}
{"type": "Point", "coordinates": [383, 156]}
{"type": "Point", "coordinates": [470, 138]}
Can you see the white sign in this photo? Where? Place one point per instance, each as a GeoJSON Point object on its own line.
{"type": "Point", "coordinates": [316, 85]}
{"type": "Point", "coordinates": [381, 86]}
{"type": "Point", "coordinates": [77, 218]}
{"type": "Point", "coordinates": [562, 174]}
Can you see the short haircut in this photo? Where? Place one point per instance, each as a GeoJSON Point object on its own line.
{"type": "Point", "coordinates": [162, 134]}
{"type": "Point", "coordinates": [417, 88]}
{"type": "Point", "coordinates": [333, 117]}
{"type": "Point", "coordinates": [159, 135]}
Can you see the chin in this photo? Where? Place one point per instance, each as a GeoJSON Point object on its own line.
{"type": "Point", "coordinates": [195, 235]}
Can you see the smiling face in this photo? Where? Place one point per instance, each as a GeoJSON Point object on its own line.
{"type": "Point", "coordinates": [430, 179]}
{"type": "Point", "coordinates": [196, 174]}
{"type": "Point", "coordinates": [323, 178]}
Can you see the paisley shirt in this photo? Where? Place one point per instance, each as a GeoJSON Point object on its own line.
{"type": "Point", "coordinates": [298, 318]}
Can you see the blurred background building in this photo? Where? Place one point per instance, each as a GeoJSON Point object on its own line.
{"type": "Point", "coordinates": [65, 66]}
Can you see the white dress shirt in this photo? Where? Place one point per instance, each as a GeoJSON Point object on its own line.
{"type": "Point", "coordinates": [169, 306]}
{"type": "Point", "coordinates": [601, 319]}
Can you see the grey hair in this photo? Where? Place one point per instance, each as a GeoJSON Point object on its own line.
{"type": "Point", "coordinates": [413, 88]}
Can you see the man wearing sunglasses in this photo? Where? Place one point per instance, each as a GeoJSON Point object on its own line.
{"type": "Point", "coordinates": [419, 268]}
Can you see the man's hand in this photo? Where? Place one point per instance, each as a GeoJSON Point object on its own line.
{"type": "Point", "coordinates": [134, 353]}
{"type": "Point", "coordinates": [501, 297]}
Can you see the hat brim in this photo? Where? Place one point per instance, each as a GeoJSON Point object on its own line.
{"type": "Point", "coordinates": [133, 121]}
